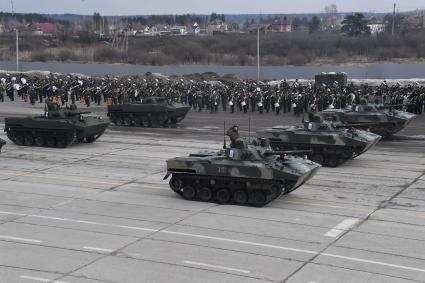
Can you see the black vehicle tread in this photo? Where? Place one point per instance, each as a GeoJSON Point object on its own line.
{"type": "Point", "coordinates": [66, 134]}
{"type": "Point", "coordinates": [152, 115]}
{"type": "Point", "coordinates": [199, 181]}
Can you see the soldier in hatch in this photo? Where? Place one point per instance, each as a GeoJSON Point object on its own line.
{"type": "Point", "coordinates": [235, 138]}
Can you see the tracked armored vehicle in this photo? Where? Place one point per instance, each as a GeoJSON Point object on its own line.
{"type": "Point", "coordinates": [249, 174]}
{"type": "Point", "coordinates": [386, 121]}
{"type": "Point", "coordinates": [55, 128]}
{"type": "Point", "coordinates": [2, 143]}
{"type": "Point", "coordinates": [329, 144]}
{"type": "Point", "coordinates": [151, 112]}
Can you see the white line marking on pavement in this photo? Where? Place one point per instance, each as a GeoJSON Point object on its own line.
{"type": "Point", "coordinates": [92, 223]}
{"type": "Point", "coordinates": [342, 227]}
{"type": "Point", "coordinates": [71, 179]}
{"type": "Point", "coordinates": [13, 213]}
{"type": "Point", "coordinates": [62, 203]}
{"type": "Point", "coordinates": [216, 266]}
{"type": "Point", "coordinates": [64, 219]}
{"type": "Point", "coordinates": [227, 240]}
{"type": "Point", "coordinates": [374, 262]}
{"type": "Point", "coordinates": [98, 249]}
{"type": "Point", "coordinates": [239, 242]}
{"type": "Point", "coordinates": [39, 279]}
{"type": "Point", "coordinates": [19, 239]}
{"type": "Point", "coordinates": [138, 228]}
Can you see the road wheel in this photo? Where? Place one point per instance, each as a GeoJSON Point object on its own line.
{"type": "Point", "coordinates": [20, 140]}
{"type": "Point", "coordinates": [223, 196]}
{"type": "Point", "coordinates": [39, 141]}
{"type": "Point", "coordinates": [50, 142]}
{"type": "Point", "coordinates": [240, 197]}
{"type": "Point", "coordinates": [137, 122]}
{"type": "Point", "coordinates": [175, 184]}
{"type": "Point", "coordinates": [119, 121]}
{"type": "Point", "coordinates": [29, 140]}
{"type": "Point", "coordinates": [188, 193]}
{"type": "Point", "coordinates": [60, 142]}
{"type": "Point", "coordinates": [347, 153]}
{"type": "Point", "coordinates": [258, 199]}
{"type": "Point", "coordinates": [331, 161]}
{"type": "Point", "coordinates": [204, 194]}
{"type": "Point", "coordinates": [127, 121]}
{"type": "Point", "coordinates": [145, 122]}
{"type": "Point", "coordinates": [162, 118]}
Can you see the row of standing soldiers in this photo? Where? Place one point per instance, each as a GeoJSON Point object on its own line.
{"type": "Point", "coordinates": [240, 96]}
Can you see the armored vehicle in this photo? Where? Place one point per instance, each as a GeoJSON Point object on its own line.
{"type": "Point", "coordinates": [330, 78]}
{"type": "Point", "coordinates": [249, 174]}
{"type": "Point", "coordinates": [150, 112]}
{"type": "Point", "coordinates": [2, 143]}
{"type": "Point", "coordinates": [55, 128]}
{"type": "Point", "coordinates": [385, 120]}
{"type": "Point", "coordinates": [330, 144]}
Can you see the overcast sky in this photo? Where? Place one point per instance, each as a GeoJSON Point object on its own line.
{"type": "Point", "coordinates": [143, 7]}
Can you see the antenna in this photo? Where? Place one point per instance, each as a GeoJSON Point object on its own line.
{"type": "Point", "coordinates": [258, 49]}
{"type": "Point", "coordinates": [249, 129]}
{"type": "Point", "coordinates": [13, 12]}
{"type": "Point", "coordinates": [393, 23]}
{"type": "Point", "coordinates": [224, 135]}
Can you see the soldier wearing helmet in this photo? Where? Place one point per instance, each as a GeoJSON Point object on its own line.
{"type": "Point", "coordinates": [235, 138]}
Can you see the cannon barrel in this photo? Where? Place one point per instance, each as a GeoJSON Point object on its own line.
{"type": "Point", "coordinates": [290, 152]}
{"type": "Point", "coordinates": [338, 126]}
{"type": "Point", "coordinates": [75, 113]}
{"type": "Point", "coordinates": [395, 105]}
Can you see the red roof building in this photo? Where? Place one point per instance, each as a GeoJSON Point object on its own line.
{"type": "Point", "coordinates": [44, 28]}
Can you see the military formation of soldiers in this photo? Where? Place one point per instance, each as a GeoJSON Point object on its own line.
{"type": "Point", "coordinates": [233, 96]}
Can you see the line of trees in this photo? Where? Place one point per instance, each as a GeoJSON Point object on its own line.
{"type": "Point", "coordinates": [29, 18]}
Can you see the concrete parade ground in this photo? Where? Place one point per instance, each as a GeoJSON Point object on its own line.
{"type": "Point", "coordinates": [101, 212]}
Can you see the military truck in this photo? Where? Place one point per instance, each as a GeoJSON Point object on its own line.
{"type": "Point", "coordinates": [150, 112]}
{"type": "Point", "coordinates": [383, 120]}
{"type": "Point", "coordinates": [249, 174]}
{"type": "Point", "coordinates": [55, 128]}
{"type": "Point", "coordinates": [330, 144]}
{"type": "Point", "coordinates": [330, 78]}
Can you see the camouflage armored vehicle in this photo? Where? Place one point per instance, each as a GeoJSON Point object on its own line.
{"type": "Point", "coordinates": [385, 120]}
{"type": "Point", "coordinates": [330, 78]}
{"type": "Point", "coordinates": [55, 128]}
{"type": "Point", "coordinates": [330, 144]}
{"type": "Point", "coordinates": [248, 174]}
{"type": "Point", "coordinates": [151, 112]}
{"type": "Point", "coordinates": [2, 143]}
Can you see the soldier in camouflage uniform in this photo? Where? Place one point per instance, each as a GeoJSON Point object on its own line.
{"type": "Point", "coordinates": [235, 137]}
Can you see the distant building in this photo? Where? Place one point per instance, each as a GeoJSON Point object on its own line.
{"type": "Point", "coordinates": [280, 26]}
{"type": "Point", "coordinates": [2, 29]}
{"type": "Point", "coordinates": [217, 27]}
{"type": "Point", "coordinates": [178, 30]}
{"type": "Point", "coordinates": [376, 27]}
{"type": "Point", "coordinates": [270, 28]}
{"type": "Point", "coordinates": [45, 29]}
